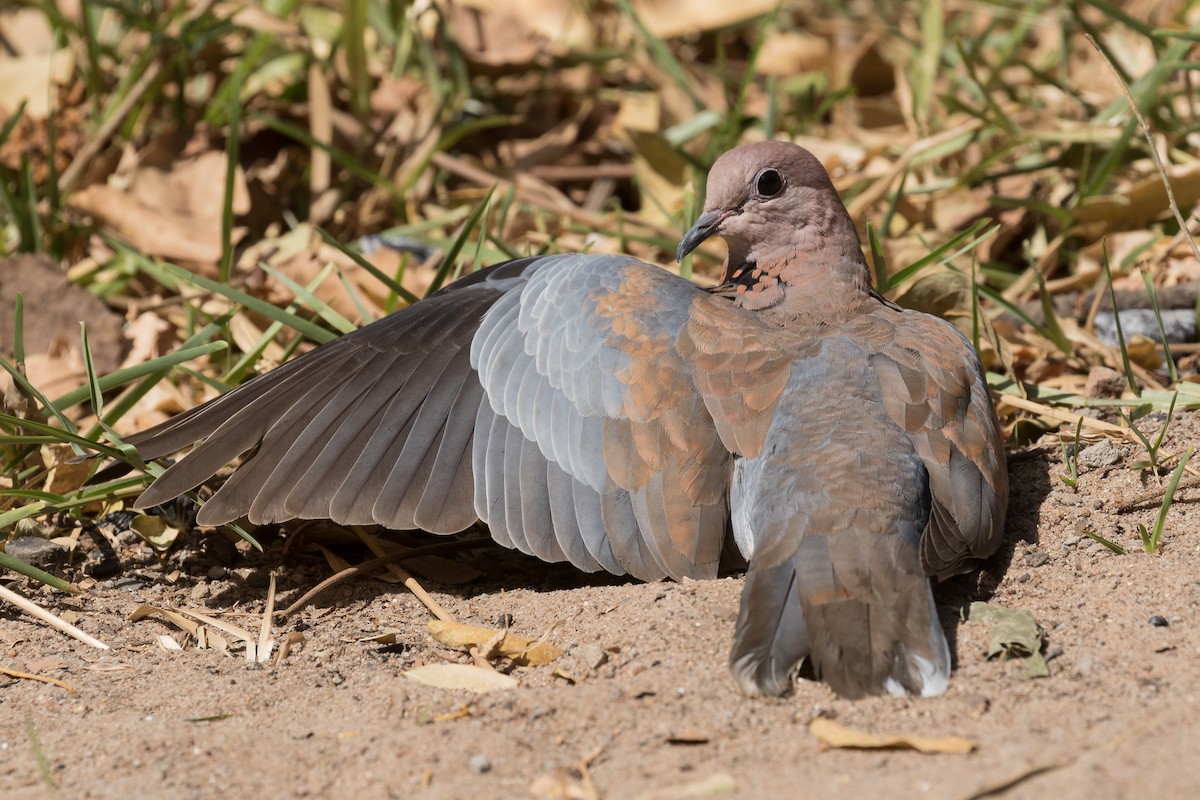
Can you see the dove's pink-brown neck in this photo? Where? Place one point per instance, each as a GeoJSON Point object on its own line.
{"type": "Point", "coordinates": [819, 276]}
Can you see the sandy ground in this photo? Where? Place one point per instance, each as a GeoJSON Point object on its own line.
{"type": "Point", "coordinates": [652, 711]}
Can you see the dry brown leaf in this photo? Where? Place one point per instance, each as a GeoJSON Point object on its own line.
{"type": "Point", "coordinates": [150, 336]}
{"type": "Point", "coordinates": [462, 676]}
{"type": "Point", "coordinates": [494, 37]}
{"type": "Point", "coordinates": [667, 18]}
{"type": "Point", "coordinates": [792, 53]}
{"type": "Point", "coordinates": [1144, 201]}
{"type": "Point", "coordinates": [58, 370]}
{"type": "Point", "coordinates": [518, 648]}
{"type": "Point", "coordinates": [65, 475]}
{"type": "Point", "coordinates": [152, 231]}
{"type": "Point", "coordinates": [834, 734]}
{"type": "Point", "coordinates": [155, 531]}
{"type": "Point", "coordinates": [174, 205]}
{"type": "Point", "coordinates": [31, 79]}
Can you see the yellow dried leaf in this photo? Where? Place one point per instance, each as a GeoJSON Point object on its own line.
{"type": "Point", "coordinates": [518, 648]}
{"type": "Point", "coordinates": [154, 531]}
{"type": "Point", "coordinates": [834, 734]}
{"type": "Point", "coordinates": [668, 18]}
{"type": "Point", "coordinates": [462, 676]}
{"type": "Point", "coordinates": [1144, 201]}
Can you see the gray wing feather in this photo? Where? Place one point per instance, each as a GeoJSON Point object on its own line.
{"type": "Point", "coordinates": [524, 394]}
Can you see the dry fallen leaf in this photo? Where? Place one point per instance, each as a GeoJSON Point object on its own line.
{"type": "Point", "coordinates": [1012, 633]}
{"type": "Point", "coordinates": [834, 734]}
{"type": "Point", "coordinates": [667, 18]}
{"type": "Point", "coordinates": [462, 676]}
{"type": "Point", "coordinates": [521, 650]}
{"type": "Point", "coordinates": [1137, 205]}
{"type": "Point", "coordinates": [66, 474]}
{"type": "Point", "coordinates": [154, 531]}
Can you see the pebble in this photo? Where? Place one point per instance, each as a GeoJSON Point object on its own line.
{"type": "Point", "coordinates": [1178, 324]}
{"type": "Point", "coordinates": [1037, 558]}
{"type": "Point", "coordinates": [217, 573]}
{"type": "Point", "coordinates": [479, 764]}
{"type": "Point", "coordinates": [1101, 454]}
{"type": "Point", "coordinates": [35, 550]}
{"type": "Point", "coordinates": [592, 655]}
{"type": "Point", "coordinates": [1159, 621]}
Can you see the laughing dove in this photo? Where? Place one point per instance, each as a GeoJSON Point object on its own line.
{"type": "Point", "coordinates": [600, 410]}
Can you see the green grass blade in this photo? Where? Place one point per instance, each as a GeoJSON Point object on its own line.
{"type": "Point", "coordinates": [130, 374]}
{"type": "Point", "coordinates": [1161, 520]}
{"type": "Point", "coordinates": [392, 285]}
{"type": "Point", "coordinates": [296, 323]}
{"type": "Point", "coordinates": [1112, 297]}
{"type": "Point", "coordinates": [460, 240]}
{"type": "Point", "coordinates": [323, 309]}
{"type": "Point", "coordinates": [1162, 333]}
{"type": "Point", "coordinates": [971, 236]}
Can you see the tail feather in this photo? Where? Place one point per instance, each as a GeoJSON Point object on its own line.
{"type": "Point", "coordinates": [888, 640]}
{"type": "Point", "coordinates": [770, 639]}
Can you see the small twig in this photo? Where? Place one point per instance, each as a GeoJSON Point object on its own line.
{"type": "Point", "coordinates": [375, 563]}
{"type": "Point", "coordinates": [264, 631]}
{"type": "Point", "coordinates": [878, 189]}
{"type": "Point", "coordinates": [33, 609]}
{"type": "Point", "coordinates": [99, 139]}
{"type": "Point", "coordinates": [1002, 785]}
{"type": "Point", "coordinates": [410, 583]}
{"type": "Point", "coordinates": [1063, 416]}
{"type": "Point", "coordinates": [29, 676]}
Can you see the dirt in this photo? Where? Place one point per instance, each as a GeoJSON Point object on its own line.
{"type": "Point", "coordinates": [649, 709]}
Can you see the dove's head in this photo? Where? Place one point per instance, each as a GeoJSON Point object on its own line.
{"type": "Point", "coordinates": [770, 201]}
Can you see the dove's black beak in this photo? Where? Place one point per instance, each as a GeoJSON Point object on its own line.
{"type": "Point", "coordinates": [706, 225]}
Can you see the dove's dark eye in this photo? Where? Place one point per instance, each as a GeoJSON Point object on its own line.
{"type": "Point", "coordinates": [768, 183]}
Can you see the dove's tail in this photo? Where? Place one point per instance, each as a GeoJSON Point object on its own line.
{"type": "Point", "coordinates": [886, 639]}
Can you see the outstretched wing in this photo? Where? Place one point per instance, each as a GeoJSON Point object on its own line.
{"type": "Point", "coordinates": [585, 407]}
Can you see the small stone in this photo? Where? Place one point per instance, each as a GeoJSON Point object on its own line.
{"type": "Point", "coordinates": [1102, 454]}
{"type": "Point", "coordinates": [479, 764]}
{"type": "Point", "coordinates": [1037, 558]}
{"type": "Point", "coordinates": [36, 551]}
{"type": "Point", "coordinates": [1071, 541]}
{"type": "Point", "coordinates": [217, 573]}
{"type": "Point", "coordinates": [1159, 621]}
{"type": "Point", "coordinates": [593, 656]}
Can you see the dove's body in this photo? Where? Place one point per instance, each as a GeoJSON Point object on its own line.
{"type": "Point", "coordinates": [603, 411]}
